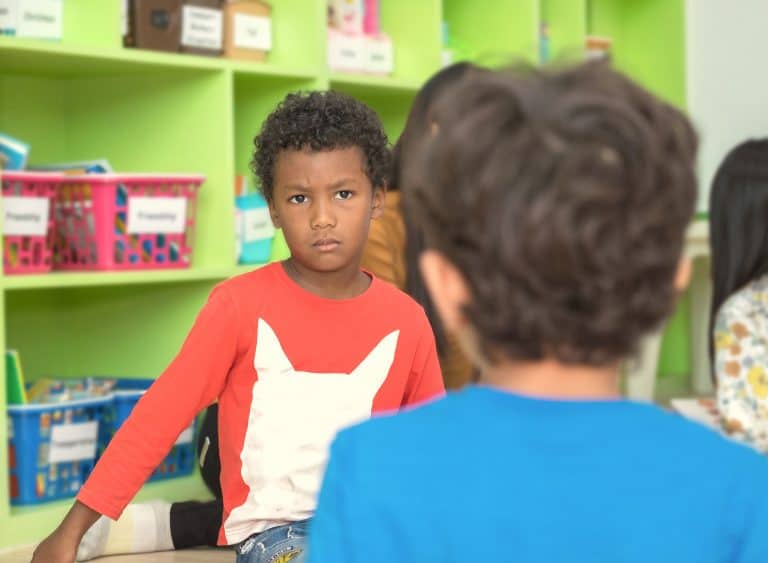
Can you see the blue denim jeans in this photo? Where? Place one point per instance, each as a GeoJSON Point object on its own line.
{"type": "Point", "coordinates": [282, 544]}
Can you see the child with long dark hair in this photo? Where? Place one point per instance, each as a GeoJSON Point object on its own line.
{"type": "Point", "coordinates": [395, 242]}
{"type": "Point", "coordinates": [739, 321]}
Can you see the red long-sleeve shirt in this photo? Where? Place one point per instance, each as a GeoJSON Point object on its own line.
{"type": "Point", "coordinates": [289, 369]}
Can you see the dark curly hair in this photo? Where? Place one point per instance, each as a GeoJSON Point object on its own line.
{"type": "Point", "coordinates": [563, 197]}
{"type": "Point", "coordinates": [320, 121]}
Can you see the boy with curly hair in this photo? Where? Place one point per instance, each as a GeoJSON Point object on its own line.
{"type": "Point", "coordinates": [293, 351]}
{"type": "Point", "coordinates": [554, 205]}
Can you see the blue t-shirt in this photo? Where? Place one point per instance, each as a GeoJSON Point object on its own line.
{"type": "Point", "coordinates": [486, 475]}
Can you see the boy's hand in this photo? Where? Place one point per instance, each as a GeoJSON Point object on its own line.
{"type": "Point", "coordinates": [56, 548]}
{"type": "Point", "coordinates": [61, 545]}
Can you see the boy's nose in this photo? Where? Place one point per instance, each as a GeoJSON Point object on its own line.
{"type": "Point", "coordinates": [323, 216]}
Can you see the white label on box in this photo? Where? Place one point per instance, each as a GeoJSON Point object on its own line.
{"type": "Point", "coordinates": [201, 27]}
{"type": "Point", "coordinates": [9, 14]}
{"type": "Point", "coordinates": [186, 436]}
{"type": "Point", "coordinates": [345, 52]}
{"type": "Point", "coordinates": [378, 55]}
{"type": "Point", "coordinates": [257, 224]}
{"type": "Point", "coordinates": [253, 32]}
{"type": "Point", "coordinates": [155, 215]}
{"type": "Point", "coordinates": [73, 442]}
{"type": "Point", "coordinates": [124, 17]}
{"type": "Point", "coordinates": [26, 216]}
{"type": "Point", "coordinates": [40, 19]}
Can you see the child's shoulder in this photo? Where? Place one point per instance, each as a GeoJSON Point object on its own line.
{"type": "Point", "coordinates": [386, 294]}
{"type": "Point", "coordinates": [249, 281]}
{"type": "Point", "coordinates": [388, 302]}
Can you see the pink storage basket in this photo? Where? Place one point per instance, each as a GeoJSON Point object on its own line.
{"type": "Point", "coordinates": [125, 221]}
{"type": "Point", "coordinates": [28, 221]}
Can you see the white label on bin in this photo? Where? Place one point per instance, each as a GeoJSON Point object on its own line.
{"type": "Point", "coordinates": [253, 32]}
{"type": "Point", "coordinates": [26, 216]}
{"type": "Point", "coordinates": [257, 224]}
{"type": "Point", "coordinates": [345, 52]}
{"type": "Point", "coordinates": [201, 27]}
{"type": "Point", "coordinates": [186, 436]}
{"type": "Point", "coordinates": [40, 19]}
{"type": "Point", "coordinates": [378, 55]}
{"type": "Point", "coordinates": [157, 215]}
{"type": "Point", "coordinates": [9, 13]}
{"type": "Point", "coordinates": [73, 442]}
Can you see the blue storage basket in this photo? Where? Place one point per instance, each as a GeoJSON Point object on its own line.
{"type": "Point", "coordinates": [52, 448]}
{"type": "Point", "coordinates": [127, 392]}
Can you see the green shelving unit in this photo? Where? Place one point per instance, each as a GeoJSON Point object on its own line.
{"type": "Point", "coordinates": [87, 97]}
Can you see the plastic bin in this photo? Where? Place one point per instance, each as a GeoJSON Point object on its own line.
{"type": "Point", "coordinates": [180, 460]}
{"type": "Point", "coordinates": [28, 221]}
{"type": "Point", "coordinates": [52, 448]}
{"type": "Point", "coordinates": [255, 229]}
{"type": "Point", "coordinates": [125, 221]}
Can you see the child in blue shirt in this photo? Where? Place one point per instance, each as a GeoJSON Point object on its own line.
{"type": "Point", "coordinates": [554, 205]}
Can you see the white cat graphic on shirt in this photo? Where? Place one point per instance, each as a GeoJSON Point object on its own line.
{"type": "Point", "coordinates": [293, 418]}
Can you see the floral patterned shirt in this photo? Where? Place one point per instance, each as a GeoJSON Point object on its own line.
{"type": "Point", "coordinates": [741, 363]}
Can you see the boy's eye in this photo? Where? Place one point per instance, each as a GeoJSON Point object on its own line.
{"type": "Point", "coordinates": [343, 194]}
{"type": "Point", "coordinates": [299, 198]}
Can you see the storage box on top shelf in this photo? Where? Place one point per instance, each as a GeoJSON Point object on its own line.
{"type": "Point", "coordinates": [378, 55]}
{"type": "Point", "coordinates": [346, 15]}
{"type": "Point", "coordinates": [32, 19]}
{"type": "Point", "coordinates": [154, 24]}
{"type": "Point", "coordinates": [355, 41]}
{"type": "Point", "coordinates": [247, 29]}
{"type": "Point", "coordinates": [346, 51]}
{"type": "Point", "coordinates": [202, 27]}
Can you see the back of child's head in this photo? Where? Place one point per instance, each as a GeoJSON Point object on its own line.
{"type": "Point", "coordinates": [321, 121]}
{"type": "Point", "coordinates": [562, 197]}
{"type": "Point", "coordinates": [738, 220]}
{"type": "Point", "coordinates": [420, 117]}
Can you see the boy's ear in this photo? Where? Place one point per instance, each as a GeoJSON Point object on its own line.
{"type": "Point", "coordinates": [447, 287]}
{"type": "Point", "coordinates": [377, 202]}
{"type": "Point", "coordinates": [273, 213]}
{"type": "Point", "coordinates": [683, 275]}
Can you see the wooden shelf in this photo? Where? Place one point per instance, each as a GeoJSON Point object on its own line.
{"type": "Point", "coordinates": [39, 58]}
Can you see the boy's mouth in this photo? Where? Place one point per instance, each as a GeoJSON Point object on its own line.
{"type": "Point", "coordinates": [326, 244]}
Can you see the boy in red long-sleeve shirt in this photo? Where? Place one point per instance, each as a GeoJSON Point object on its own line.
{"type": "Point", "coordinates": [293, 351]}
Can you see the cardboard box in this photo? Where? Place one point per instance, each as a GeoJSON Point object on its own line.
{"type": "Point", "coordinates": [202, 27]}
{"type": "Point", "coordinates": [154, 24]}
{"type": "Point", "coordinates": [247, 29]}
